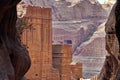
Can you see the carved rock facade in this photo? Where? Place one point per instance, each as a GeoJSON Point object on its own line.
{"type": "Point", "coordinates": [39, 43]}
{"type": "Point", "coordinates": [62, 60]}
{"type": "Point", "coordinates": [45, 65]}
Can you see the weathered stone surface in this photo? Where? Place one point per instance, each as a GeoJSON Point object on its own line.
{"type": "Point", "coordinates": [14, 59]}
{"type": "Point", "coordinates": [64, 10]}
{"type": "Point", "coordinates": [39, 43]}
{"type": "Point", "coordinates": [62, 58]}
{"type": "Point", "coordinates": [110, 70]}
{"type": "Point", "coordinates": [92, 53]}
{"type": "Point", "coordinates": [77, 30]}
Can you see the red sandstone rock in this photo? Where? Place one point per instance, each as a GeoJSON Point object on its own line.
{"type": "Point", "coordinates": [39, 43]}
{"type": "Point", "coordinates": [62, 58]}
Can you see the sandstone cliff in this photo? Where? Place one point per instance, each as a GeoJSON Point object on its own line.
{"type": "Point", "coordinates": [88, 44]}
{"type": "Point", "coordinates": [78, 21]}
{"type": "Point", "coordinates": [77, 31]}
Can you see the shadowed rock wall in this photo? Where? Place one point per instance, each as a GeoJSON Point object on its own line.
{"type": "Point", "coordinates": [111, 68]}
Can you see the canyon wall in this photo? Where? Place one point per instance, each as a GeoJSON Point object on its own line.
{"type": "Point", "coordinates": [38, 40]}
{"type": "Point", "coordinates": [64, 10]}
{"type": "Point", "coordinates": [79, 22]}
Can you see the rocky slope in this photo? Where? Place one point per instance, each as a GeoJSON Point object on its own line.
{"type": "Point", "coordinates": [88, 43]}
{"type": "Point", "coordinates": [64, 10]}
{"type": "Point", "coordinates": [92, 53]}
{"type": "Point", "coordinates": [76, 31]}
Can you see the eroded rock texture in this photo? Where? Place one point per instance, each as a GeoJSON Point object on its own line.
{"type": "Point", "coordinates": [14, 59]}
{"type": "Point", "coordinates": [64, 10]}
{"type": "Point", "coordinates": [111, 68]}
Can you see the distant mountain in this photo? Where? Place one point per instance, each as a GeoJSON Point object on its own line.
{"type": "Point", "coordinates": [64, 10]}
{"type": "Point", "coordinates": [77, 31]}
{"type": "Point", "coordinates": [92, 53]}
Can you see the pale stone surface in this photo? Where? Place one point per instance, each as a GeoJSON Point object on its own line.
{"type": "Point", "coordinates": [39, 43]}
{"type": "Point", "coordinates": [64, 10]}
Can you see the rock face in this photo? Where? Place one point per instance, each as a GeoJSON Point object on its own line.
{"type": "Point", "coordinates": [92, 53]}
{"type": "Point", "coordinates": [62, 58]}
{"type": "Point", "coordinates": [88, 44]}
{"type": "Point", "coordinates": [109, 1]}
{"type": "Point", "coordinates": [64, 10]}
{"type": "Point", "coordinates": [77, 21]}
{"type": "Point", "coordinates": [39, 42]}
{"type": "Point", "coordinates": [14, 59]}
{"type": "Point", "coordinates": [111, 68]}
